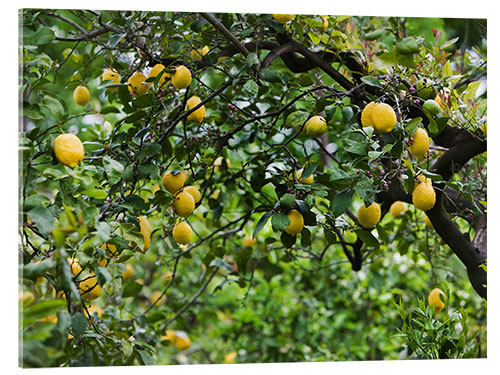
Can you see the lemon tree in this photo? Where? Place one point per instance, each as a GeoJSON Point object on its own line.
{"type": "Point", "coordinates": [239, 188]}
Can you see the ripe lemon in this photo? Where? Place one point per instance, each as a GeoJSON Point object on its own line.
{"type": "Point", "coordinates": [110, 75]}
{"type": "Point", "coordinates": [76, 268]}
{"type": "Point", "coordinates": [145, 231]}
{"type": "Point", "coordinates": [155, 295]}
{"type": "Point", "coordinates": [173, 182]}
{"type": "Point", "coordinates": [199, 114]}
{"type": "Point", "coordinates": [424, 179]}
{"type": "Point", "coordinates": [68, 149]}
{"type": "Point", "coordinates": [102, 262]}
{"type": "Point", "coordinates": [428, 223]}
{"type": "Point", "coordinates": [308, 180]}
{"type": "Point", "coordinates": [434, 299]}
{"type": "Point", "coordinates": [315, 126]}
{"type": "Point", "coordinates": [424, 196]}
{"type": "Point", "coordinates": [181, 78]}
{"type": "Point", "coordinates": [369, 216]}
{"type": "Point", "coordinates": [81, 95]}
{"type": "Point", "coordinates": [324, 24]}
{"type": "Point", "coordinates": [89, 288]}
{"type": "Point", "coordinates": [128, 273]}
{"type": "Point", "coordinates": [283, 18]}
{"type": "Point", "coordinates": [182, 233]}
{"type": "Point", "coordinates": [230, 357]}
{"type": "Point", "coordinates": [197, 54]}
{"type": "Point", "coordinates": [195, 193]}
{"type": "Point", "coordinates": [384, 118]}
{"type": "Point", "coordinates": [158, 69]}
{"type": "Point", "coordinates": [93, 309]}
{"type": "Point", "coordinates": [367, 115]}
{"type": "Point", "coordinates": [183, 204]}
{"type": "Point", "coordinates": [398, 208]}
{"type": "Point", "coordinates": [218, 163]}
{"type": "Point", "coordinates": [110, 250]}
{"type": "Point", "coordinates": [182, 341]}
{"type": "Point", "coordinates": [296, 222]}
{"type": "Point", "coordinates": [136, 84]}
{"type": "Point", "coordinates": [420, 144]}
{"type": "Point", "coordinates": [49, 319]}
{"type": "Point", "coordinates": [249, 242]}
{"type": "Point", "coordinates": [169, 336]}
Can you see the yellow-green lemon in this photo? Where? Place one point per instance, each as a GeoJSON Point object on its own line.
{"type": "Point", "coordinates": [195, 193]}
{"type": "Point", "coordinates": [184, 204]}
{"type": "Point", "coordinates": [283, 18]}
{"type": "Point", "coordinates": [366, 115]}
{"type": "Point", "coordinates": [308, 180]}
{"type": "Point", "coordinates": [398, 208]}
{"type": "Point", "coordinates": [249, 242]}
{"type": "Point", "coordinates": [420, 144]}
{"type": "Point", "coordinates": [156, 70]}
{"type": "Point", "coordinates": [435, 300]}
{"type": "Point", "coordinates": [181, 78]}
{"type": "Point", "coordinates": [424, 196]}
{"type": "Point", "coordinates": [296, 222]}
{"type": "Point", "coordinates": [199, 114]}
{"type": "Point", "coordinates": [81, 95]}
{"type": "Point", "coordinates": [136, 84]}
{"type": "Point", "coordinates": [68, 149]}
{"type": "Point", "coordinates": [173, 182]}
{"type": "Point", "coordinates": [384, 117]}
{"type": "Point", "coordinates": [182, 233]}
{"type": "Point", "coordinates": [315, 126]}
{"type": "Point", "coordinates": [369, 216]}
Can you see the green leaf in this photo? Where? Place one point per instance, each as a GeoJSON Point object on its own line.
{"type": "Point", "coordinates": [131, 289]}
{"type": "Point", "coordinates": [103, 275]}
{"type": "Point", "coordinates": [113, 168]}
{"type": "Point", "coordinates": [407, 46]}
{"type": "Point", "coordinates": [341, 202]}
{"type": "Point", "coordinates": [296, 119]}
{"type": "Point", "coordinates": [78, 324]}
{"type": "Point", "coordinates": [260, 224]}
{"type": "Point", "coordinates": [367, 238]}
{"type": "Point", "coordinates": [251, 87]}
{"type": "Point", "coordinates": [309, 169]}
{"type": "Point", "coordinates": [287, 239]}
{"type": "Point", "coordinates": [95, 193]}
{"type": "Point", "coordinates": [42, 36]}
{"type": "Point", "coordinates": [146, 357]}
{"type": "Point", "coordinates": [374, 34]}
{"type": "Point", "coordinates": [34, 270]}
{"type": "Point", "coordinates": [371, 81]}
{"type": "Point", "coordinates": [280, 221]}
{"type": "Point", "coordinates": [54, 106]}
{"type": "Point", "coordinates": [43, 218]}
{"type": "Point", "coordinates": [42, 309]}
{"type": "Point", "coordinates": [143, 101]}
{"type": "Point", "coordinates": [103, 230]}
{"type": "Point", "coordinates": [412, 125]}
{"type": "Point", "coordinates": [287, 201]}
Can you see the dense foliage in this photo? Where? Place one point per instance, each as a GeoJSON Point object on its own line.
{"type": "Point", "coordinates": [336, 290]}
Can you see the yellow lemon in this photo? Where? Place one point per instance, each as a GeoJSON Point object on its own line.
{"type": "Point", "coordinates": [398, 208]}
{"type": "Point", "coordinates": [81, 95]}
{"type": "Point", "coordinates": [173, 182]}
{"type": "Point", "coordinates": [384, 117]}
{"type": "Point", "coordinates": [145, 231]}
{"type": "Point", "coordinates": [428, 223]}
{"type": "Point", "coordinates": [182, 233]}
{"type": "Point", "coordinates": [199, 114]}
{"type": "Point", "coordinates": [184, 204]}
{"type": "Point", "coordinates": [158, 69]}
{"type": "Point", "coordinates": [315, 126]}
{"type": "Point", "coordinates": [308, 180]}
{"type": "Point", "coordinates": [169, 336]}
{"type": "Point", "coordinates": [136, 84]}
{"type": "Point", "coordinates": [93, 309]}
{"type": "Point", "coordinates": [197, 54]}
{"type": "Point", "coordinates": [249, 242]}
{"type": "Point", "coordinates": [424, 196]}
{"type": "Point", "coordinates": [49, 319]}
{"type": "Point", "coordinates": [110, 250]}
{"type": "Point", "coordinates": [76, 268]}
{"type": "Point", "coordinates": [218, 163]}
{"type": "Point", "coordinates": [157, 294]}
{"type": "Point", "coordinates": [110, 75]}
{"type": "Point", "coordinates": [182, 341]}
{"type": "Point", "coordinates": [435, 300]}
{"type": "Point", "coordinates": [68, 149]}
{"type": "Point", "coordinates": [296, 222]}
{"type": "Point", "coordinates": [283, 18]}
{"type": "Point", "coordinates": [324, 24]}
{"type": "Point", "coordinates": [27, 298]}
{"type": "Point", "coordinates": [167, 276]}
{"type": "Point", "coordinates": [424, 179]}
{"type": "Point", "coordinates": [366, 115]}
{"type": "Point", "coordinates": [128, 273]}
{"type": "Point", "coordinates": [89, 288]}
{"type": "Point", "coordinates": [230, 357]}
{"type": "Point", "coordinates": [181, 78]}
{"type": "Point", "coordinates": [102, 262]}
{"type": "Point", "coordinates": [194, 191]}
{"type": "Point", "coordinates": [369, 216]}
{"type": "Point", "coordinates": [420, 144]}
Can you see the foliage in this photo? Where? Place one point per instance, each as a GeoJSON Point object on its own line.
{"type": "Point", "coordinates": [324, 294]}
